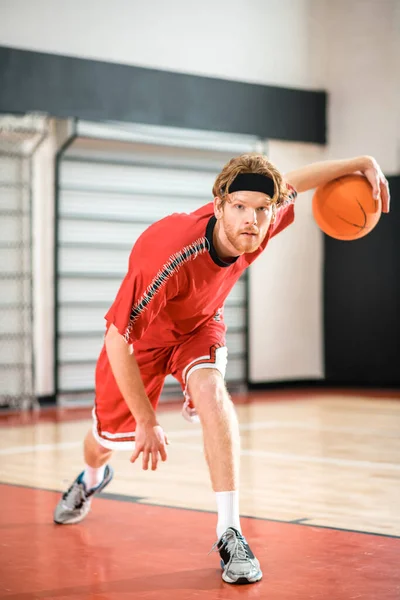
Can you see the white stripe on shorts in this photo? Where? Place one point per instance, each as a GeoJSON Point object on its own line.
{"type": "Point", "coordinates": [113, 443]}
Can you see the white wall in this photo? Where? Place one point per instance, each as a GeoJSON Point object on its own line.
{"type": "Point", "coordinates": [43, 210]}
{"type": "Point", "coordinates": [43, 265]}
{"type": "Point", "coordinates": [285, 285]}
{"type": "Point", "coordinates": [362, 50]}
{"type": "Point", "coordinates": [396, 50]}
{"type": "Point", "coordinates": [261, 41]}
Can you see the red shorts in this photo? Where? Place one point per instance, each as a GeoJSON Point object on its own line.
{"type": "Point", "coordinates": [113, 423]}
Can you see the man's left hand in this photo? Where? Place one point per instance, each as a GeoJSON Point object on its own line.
{"type": "Point", "coordinates": [380, 186]}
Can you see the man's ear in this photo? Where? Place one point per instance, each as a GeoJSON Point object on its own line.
{"type": "Point", "coordinates": [273, 214]}
{"type": "Point", "coordinates": [218, 207]}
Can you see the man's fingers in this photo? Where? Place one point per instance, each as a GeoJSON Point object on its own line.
{"type": "Point", "coordinates": [372, 175]}
{"type": "Point", "coordinates": [385, 195]}
{"type": "Point", "coordinates": [135, 454]}
{"type": "Point", "coordinates": [154, 460]}
{"type": "Point", "coordinates": [145, 461]}
{"type": "Point", "coordinates": [376, 190]}
{"type": "Point", "coordinates": [163, 452]}
{"type": "Point", "coordinates": [152, 448]}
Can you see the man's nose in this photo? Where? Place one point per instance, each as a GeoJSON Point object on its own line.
{"type": "Point", "coordinates": [251, 216]}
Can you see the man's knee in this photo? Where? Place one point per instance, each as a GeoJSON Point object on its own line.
{"type": "Point", "coordinates": [207, 386]}
{"type": "Point", "coordinates": [93, 446]}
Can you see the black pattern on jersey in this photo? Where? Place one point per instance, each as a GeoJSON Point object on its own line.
{"type": "Point", "coordinates": [173, 265]}
{"type": "Point", "coordinates": [291, 196]}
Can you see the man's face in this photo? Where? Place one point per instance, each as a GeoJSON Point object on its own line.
{"type": "Point", "coordinates": [243, 222]}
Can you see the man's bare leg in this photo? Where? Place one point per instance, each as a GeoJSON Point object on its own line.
{"type": "Point", "coordinates": [218, 418]}
{"type": "Point", "coordinates": [221, 442]}
{"type": "Point", "coordinates": [75, 502]}
{"type": "Point", "coordinates": [96, 457]}
{"type": "Point", "coordinates": [220, 427]}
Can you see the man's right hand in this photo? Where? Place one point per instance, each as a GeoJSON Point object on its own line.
{"type": "Point", "coordinates": [151, 441]}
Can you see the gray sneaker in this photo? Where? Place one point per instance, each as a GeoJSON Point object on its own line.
{"type": "Point", "coordinates": [75, 503]}
{"type": "Point", "coordinates": [239, 565]}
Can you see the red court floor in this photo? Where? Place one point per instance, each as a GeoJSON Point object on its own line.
{"type": "Point", "coordinates": [131, 550]}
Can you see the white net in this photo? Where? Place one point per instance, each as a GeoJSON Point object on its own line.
{"type": "Point", "coordinates": [19, 137]}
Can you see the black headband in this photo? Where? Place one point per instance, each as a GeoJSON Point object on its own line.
{"type": "Point", "coordinates": [252, 182]}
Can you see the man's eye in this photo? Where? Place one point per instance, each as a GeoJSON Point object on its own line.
{"type": "Point", "coordinates": [239, 206]}
{"type": "Point", "coordinates": [263, 208]}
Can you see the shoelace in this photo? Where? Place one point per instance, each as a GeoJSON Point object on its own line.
{"type": "Point", "coordinates": [234, 545]}
{"type": "Point", "coordinates": [75, 496]}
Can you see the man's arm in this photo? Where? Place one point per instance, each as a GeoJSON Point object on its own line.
{"type": "Point", "coordinates": [311, 176]}
{"type": "Point", "coordinates": [127, 375]}
{"type": "Point", "coordinates": [150, 438]}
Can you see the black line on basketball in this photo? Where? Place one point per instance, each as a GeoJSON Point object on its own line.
{"type": "Point", "coordinates": [360, 227]}
{"type": "Point", "coordinates": [363, 211]}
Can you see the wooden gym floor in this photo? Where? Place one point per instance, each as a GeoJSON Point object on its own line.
{"type": "Point", "coordinates": [320, 499]}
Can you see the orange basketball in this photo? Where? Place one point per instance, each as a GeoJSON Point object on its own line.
{"type": "Point", "coordinates": [345, 208]}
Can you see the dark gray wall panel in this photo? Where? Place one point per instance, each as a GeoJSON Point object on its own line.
{"type": "Point", "coordinates": [73, 87]}
{"type": "Point", "coordinates": [362, 304]}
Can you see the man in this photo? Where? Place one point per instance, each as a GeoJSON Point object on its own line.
{"type": "Point", "coordinates": [168, 318]}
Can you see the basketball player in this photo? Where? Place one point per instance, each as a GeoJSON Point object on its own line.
{"type": "Point", "coordinates": [167, 318]}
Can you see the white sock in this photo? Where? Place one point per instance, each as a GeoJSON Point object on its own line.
{"type": "Point", "coordinates": [228, 511]}
{"type": "Point", "coordinates": [92, 477]}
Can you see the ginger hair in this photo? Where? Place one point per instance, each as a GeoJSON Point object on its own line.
{"type": "Point", "coordinates": [250, 163]}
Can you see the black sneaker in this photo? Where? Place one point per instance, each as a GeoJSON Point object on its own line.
{"type": "Point", "coordinates": [75, 503]}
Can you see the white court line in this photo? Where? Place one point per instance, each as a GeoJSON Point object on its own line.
{"type": "Point", "coordinates": [316, 427]}
{"type": "Point", "coordinates": [323, 460]}
{"type": "Point", "coordinates": [197, 432]}
{"type": "Point", "coordinates": [64, 445]}
{"type": "Point", "coordinates": [306, 426]}
{"type": "Point", "coordinates": [40, 448]}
